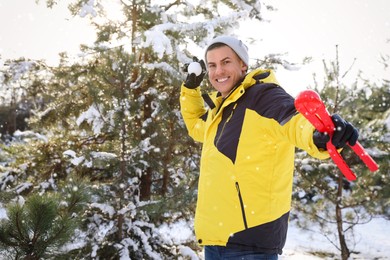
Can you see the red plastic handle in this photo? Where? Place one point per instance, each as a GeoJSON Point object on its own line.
{"type": "Point", "coordinates": [310, 105]}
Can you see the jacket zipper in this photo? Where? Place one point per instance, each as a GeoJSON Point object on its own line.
{"type": "Point", "coordinates": [224, 124]}
{"type": "Point", "coordinates": [242, 205]}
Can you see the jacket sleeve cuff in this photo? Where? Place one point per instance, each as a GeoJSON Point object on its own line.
{"type": "Point", "coordinates": [313, 149]}
{"type": "Point", "coordinates": [190, 90]}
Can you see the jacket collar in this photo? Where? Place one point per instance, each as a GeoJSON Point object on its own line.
{"type": "Point", "coordinates": [254, 77]}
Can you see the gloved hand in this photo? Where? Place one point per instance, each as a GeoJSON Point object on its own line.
{"type": "Point", "coordinates": [193, 81]}
{"type": "Point", "coordinates": [344, 133]}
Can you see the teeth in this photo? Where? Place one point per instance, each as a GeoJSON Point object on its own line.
{"type": "Point", "coordinates": [222, 80]}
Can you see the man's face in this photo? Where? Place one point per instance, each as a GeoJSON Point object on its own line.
{"type": "Point", "coordinates": [225, 69]}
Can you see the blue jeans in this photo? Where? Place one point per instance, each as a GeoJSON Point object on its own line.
{"type": "Point", "coordinates": [223, 253]}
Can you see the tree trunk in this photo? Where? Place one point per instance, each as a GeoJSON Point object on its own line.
{"type": "Point", "coordinates": [345, 253]}
{"type": "Point", "coordinates": [11, 126]}
{"type": "Point", "coordinates": [146, 178]}
{"type": "Point", "coordinates": [122, 170]}
{"type": "Point", "coordinates": [146, 185]}
{"type": "Point", "coordinates": [167, 159]}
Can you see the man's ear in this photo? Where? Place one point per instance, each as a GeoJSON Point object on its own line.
{"type": "Point", "coordinates": [244, 67]}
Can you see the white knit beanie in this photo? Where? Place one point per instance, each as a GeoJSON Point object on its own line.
{"type": "Point", "coordinates": [237, 46]}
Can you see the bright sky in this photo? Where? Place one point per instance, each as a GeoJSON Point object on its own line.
{"type": "Point", "coordinates": [34, 31]}
{"type": "Point", "coordinates": [302, 28]}
{"type": "Point", "coordinates": [360, 28]}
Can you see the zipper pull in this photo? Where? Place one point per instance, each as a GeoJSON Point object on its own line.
{"type": "Point", "coordinates": [231, 113]}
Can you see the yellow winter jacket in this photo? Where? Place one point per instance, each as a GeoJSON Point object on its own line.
{"type": "Point", "coordinates": [247, 162]}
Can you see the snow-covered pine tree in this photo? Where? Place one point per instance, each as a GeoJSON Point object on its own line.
{"type": "Point", "coordinates": [322, 196]}
{"type": "Point", "coordinates": [38, 227]}
{"type": "Point", "coordinates": [112, 116]}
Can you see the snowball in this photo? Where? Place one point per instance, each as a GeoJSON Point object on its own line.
{"type": "Point", "coordinates": [194, 67]}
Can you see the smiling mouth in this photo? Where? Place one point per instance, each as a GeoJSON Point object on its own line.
{"type": "Point", "coordinates": [222, 80]}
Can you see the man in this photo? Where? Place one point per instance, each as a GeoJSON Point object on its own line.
{"type": "Point", "coordinates": [249, 133]}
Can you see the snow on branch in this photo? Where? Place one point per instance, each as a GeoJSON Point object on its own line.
{"type": "Point", "coordinates": [161, 44]}
{"type": "Point", "coordinates": [88, 9]}
{"type": "Point", "coordinates": [94, 117]}
{"type": "Point", "coordinates": [105, 208]}
{"type": "Point", "coordinates": [29, 135]}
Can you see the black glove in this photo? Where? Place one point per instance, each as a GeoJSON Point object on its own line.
{"type": "Point", "coordinates": [344, 133]}
{"type": "Point", "coordinates": [193, 81]}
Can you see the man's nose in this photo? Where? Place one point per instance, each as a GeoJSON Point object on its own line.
{"type": "Point", "coordinates": [218, 69]}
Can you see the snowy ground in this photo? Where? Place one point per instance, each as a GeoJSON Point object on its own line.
{"type": "Point", "coordinates": [373, 243]}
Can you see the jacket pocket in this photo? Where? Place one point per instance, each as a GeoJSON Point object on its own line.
{"type": "Point", "coordinates": [242, 205]}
